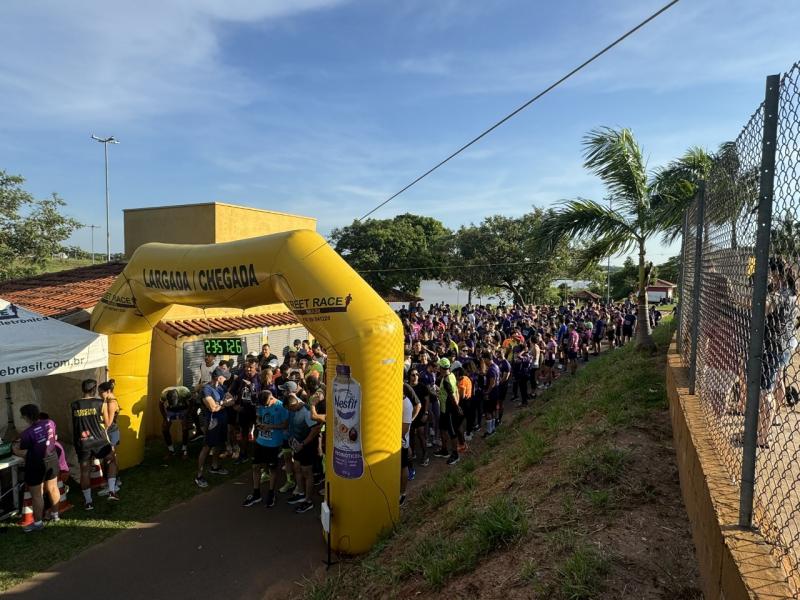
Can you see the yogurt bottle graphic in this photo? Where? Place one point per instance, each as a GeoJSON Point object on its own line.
{"type": "Point", "coordinates": [348, 458]}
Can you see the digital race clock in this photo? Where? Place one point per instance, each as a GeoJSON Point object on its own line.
{"type": "Point", "coordinates": [223, 346]}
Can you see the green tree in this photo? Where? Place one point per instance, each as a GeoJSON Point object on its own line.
{"type": "Point", "coordinates": [395, 253]}
{"type": "Point", "coordinates": [31, 231]}
{"type": "Point", "coordinates": [670, 270]}
{"type": "Point", "coordinates": [617, 159]}
{"type": "Point", "coordinates": [514, 263]}
{"type": "Point", "coordinates": [624, 280]}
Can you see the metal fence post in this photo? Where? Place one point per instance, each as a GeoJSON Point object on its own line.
{"type": "Point", "coordinates": [698, 281]}
{"type": "Point", "coordinates": [681, 301]}
{"type": "Point", "coordinates": [758, 321]}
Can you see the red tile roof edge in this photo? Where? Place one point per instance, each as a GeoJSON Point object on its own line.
{"type": "Point", "coordinates": [191, 327]}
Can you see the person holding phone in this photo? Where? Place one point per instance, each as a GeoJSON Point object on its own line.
{"type": "Point", "coordinates": [215, 400]}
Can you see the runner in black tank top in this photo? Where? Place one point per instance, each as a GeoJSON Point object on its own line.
{"type": "Point", "coordinates": [91, 441]}
{"type": "Point", "coordinates": [87, 426]}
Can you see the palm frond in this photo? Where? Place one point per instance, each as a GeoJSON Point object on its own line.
{"type": "Point", "coordinates": [674, 187]}
{"type": "Point", "coordinates": [616, 158]}
{"type": "Point", "coordinates": [586, 218]}
{"type": "Point", "coordinates": [610, 245]}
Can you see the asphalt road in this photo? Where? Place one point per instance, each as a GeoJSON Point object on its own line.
{"type": "Point", "coordinates": [208, 547]}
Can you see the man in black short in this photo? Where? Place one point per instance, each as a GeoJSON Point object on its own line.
{"type": "Point", "coordinates": [91, 440]}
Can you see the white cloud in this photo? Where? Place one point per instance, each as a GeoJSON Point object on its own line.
{"type": "Point", "coordinates": [717, 41]}
{"type": "Point", "coordinates": [85, 60]}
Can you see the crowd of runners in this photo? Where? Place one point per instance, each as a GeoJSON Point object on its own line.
{"type": "Point", "coordinates": [461, 368]}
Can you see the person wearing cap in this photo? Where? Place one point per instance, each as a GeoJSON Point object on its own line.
{"type": "Point", "coordinates": [450, 412]}
{"type": "Point", "coordinates": [288, 388]}
{"type": "Point", "coordinates": [215, 400]}
{"type": "Point", "coordinates": [273, 419]}
{"type": "Point", "coordinates": [303, 432]}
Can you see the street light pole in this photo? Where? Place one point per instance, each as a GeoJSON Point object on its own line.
{"type": "Point", "coordinates": [93, 227]}
{"type": "Point", "coordinates": [106, 142]}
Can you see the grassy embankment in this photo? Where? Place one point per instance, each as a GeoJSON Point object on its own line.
{"type": "Point", "coordinates": [576, 497]}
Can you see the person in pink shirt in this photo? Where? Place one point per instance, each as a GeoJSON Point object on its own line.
{"type": "Point", "coordinates": [573, 347]}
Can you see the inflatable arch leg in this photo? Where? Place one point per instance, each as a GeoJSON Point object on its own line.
{"type": "Point", "coordinates": [362, 334]}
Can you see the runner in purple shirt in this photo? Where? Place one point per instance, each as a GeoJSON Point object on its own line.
{"type": "Point", "coordinates": [37, 445]}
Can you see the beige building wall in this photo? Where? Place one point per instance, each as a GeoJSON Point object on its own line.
{"type": "Point", "coordinates": [240, 222]}
{"type": "Point", "coordinates": [207, 223]}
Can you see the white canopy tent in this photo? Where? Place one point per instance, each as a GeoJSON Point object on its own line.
{"type": "Point", "coordinates": [33, 347]}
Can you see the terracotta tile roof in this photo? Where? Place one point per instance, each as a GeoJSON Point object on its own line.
{"type": "Point", "coordinates": [187, 327]}
{"type": "Point", "coordinates": [63, 292]}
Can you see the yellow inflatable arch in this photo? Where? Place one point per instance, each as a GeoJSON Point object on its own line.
{"type": "Point", "coordinates": [338, 307]}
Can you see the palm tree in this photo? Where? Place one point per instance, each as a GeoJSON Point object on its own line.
{"type": "Point", "coordinates": [616, 157]}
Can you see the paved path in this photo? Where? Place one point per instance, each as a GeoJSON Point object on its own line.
{"type": "Point", "coordinates": [209, 547]}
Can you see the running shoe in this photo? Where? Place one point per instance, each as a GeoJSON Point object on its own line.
{"type": "Point", "coordinates": [296, 499]}
{"type": "Point", "coordinates": [89, 506]}
{"type": "Point", "coordinates": [219, 471]}
{"type": "Point", "coordinates": [441, 454]}
{"type": "Point", "coordinates": [426, 461]}
{"type": "Point", "coordinates": [402, 499]}
{"type": "Point", "coordinates": [251, 500]}
{"type": "Point", "coordinates": [200, 481]}
{"type": "Point", "coordinates": [33, 527]}
{"type": "Point", "coordinates": [411, 474]}
{"type": "Point", "coordinates": [241, 460]}
{"type": "Point", "coordinates": [454, 458]}
{"type": "Point", "coordinates": [113, 497]}
{"type": "Point", "coordinates": [289, 485]}
{"type": "Point", "coordinates": [304, 507]}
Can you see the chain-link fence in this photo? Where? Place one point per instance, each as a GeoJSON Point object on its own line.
{"type": "Point", "coordinates": [739, 316]}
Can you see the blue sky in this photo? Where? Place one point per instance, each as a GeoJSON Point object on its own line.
{"type": "Point", "coordinates": [326, 107]}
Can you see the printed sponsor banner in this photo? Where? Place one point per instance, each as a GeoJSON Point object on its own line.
{"type": "Point", "coordinates": [348, 457]}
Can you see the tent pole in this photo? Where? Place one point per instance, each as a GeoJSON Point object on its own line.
{"type": "Point", "coordinates": [10, 424]}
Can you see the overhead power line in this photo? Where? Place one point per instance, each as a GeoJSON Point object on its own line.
{"type": "Point", "coordinates": [445, 267]}
{"type": "Point", "coordinates": [518, 110]}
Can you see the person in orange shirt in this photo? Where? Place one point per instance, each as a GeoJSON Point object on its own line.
{"type": "Point", "coordinates": [464, 385]}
